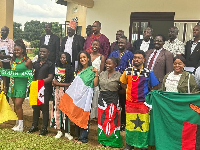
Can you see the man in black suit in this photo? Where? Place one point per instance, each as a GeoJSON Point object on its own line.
{"type": "Point", "coordinates": [192, 49]}
{"type": "Point", "coordinates": [146, 43]}
{"type": "Point", "coordinates": [53, 41]}
{"type": "Point", "coordinates": [72, 43]}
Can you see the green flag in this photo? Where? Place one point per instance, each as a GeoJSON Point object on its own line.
{"type": "Point", "coordinates": [174, 121]}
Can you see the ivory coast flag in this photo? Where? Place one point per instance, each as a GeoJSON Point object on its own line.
{"type": "Point", "coordinates": [137, 124]}
{"type": "Point", "coordinates": [76, 101]}
{"type": "Point", "coordinates": [36, 96]}
{"type": "Point", "coordinates": [6, 112]}
{"type": "Point", "coordinates": [175, 120]}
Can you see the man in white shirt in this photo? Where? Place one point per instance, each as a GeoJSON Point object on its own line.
{"type": "Point", "coordinates": [6, 53]}
{"type": "Point", "coordinates": [173, 44]}
{"type": "Point", "coordinates": [159, 60]}
{"type": "Point", "coordinates": [72, 43]}
{"type": "Point", "coordinates": [53, 41]}
{"type": "Point", "coordinates": [146, 43]}
{"type": "Point", "coordinates": [192, 49]}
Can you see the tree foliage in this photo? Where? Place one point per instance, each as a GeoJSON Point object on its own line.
{"type": "Point", "coordinates": [17, 31]}
{"type": "Point", "coordinates": [33, 30]}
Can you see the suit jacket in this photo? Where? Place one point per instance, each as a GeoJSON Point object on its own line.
{"type": "Point", "coordinates": [137, 44]}
{"type": "Point", "coordinates": [54, 47]}
{"type": "Point", "coordinates": [77, 46]}
{"type": "Point", "coordinates": [163, 64]}
{"type": "Point", "coordinates": [192, 60]}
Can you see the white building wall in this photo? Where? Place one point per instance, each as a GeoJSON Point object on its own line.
{"type": "Point", "coordinates": [115, 14]}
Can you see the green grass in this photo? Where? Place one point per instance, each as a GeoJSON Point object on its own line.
{"type": "Point", "coordinates": [12, 140]}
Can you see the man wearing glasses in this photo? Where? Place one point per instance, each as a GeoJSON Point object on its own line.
{"type": "Point", "coordinates": [159, 60]}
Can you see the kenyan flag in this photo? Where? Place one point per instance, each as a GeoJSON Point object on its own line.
{"type": "Point", "coordinates": [109, 119]}
{"type": "Point", "coordinates": [175, 120]}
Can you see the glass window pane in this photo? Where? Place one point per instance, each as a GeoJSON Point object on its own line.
{"type": "Point", "coordinates": [135, 31]}
{"type": "Point", "coordinates": [143, 27]}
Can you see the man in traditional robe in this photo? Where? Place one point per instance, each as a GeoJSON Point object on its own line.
{"type": "Point", "coordinates": [104, 41]}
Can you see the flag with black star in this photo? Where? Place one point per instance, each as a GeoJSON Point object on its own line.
{"type": "Point", "coordinates": [137, 125]}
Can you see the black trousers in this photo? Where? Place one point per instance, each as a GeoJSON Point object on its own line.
{"type": "Point", "coordinates": [45, 112]}
{"type": "Point", "coordinates": [122, 101]}
{"type": "Point", "coordinates": [6, 65]}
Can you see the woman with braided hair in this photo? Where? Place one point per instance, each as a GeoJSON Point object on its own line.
{"type": "Point", "coordinates": [17, 87]}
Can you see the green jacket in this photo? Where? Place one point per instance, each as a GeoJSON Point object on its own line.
{"type": "Point", "coordinates": [183, 83]}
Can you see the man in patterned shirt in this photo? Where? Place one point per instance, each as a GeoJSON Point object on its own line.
{"type": "Point", "coordinates": [173, 45]}
{"type": "Point", "coordinates": [137, 80]}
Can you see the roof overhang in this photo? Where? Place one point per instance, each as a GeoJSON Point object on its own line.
{"type": "Point", "coordinates": [86, 3]}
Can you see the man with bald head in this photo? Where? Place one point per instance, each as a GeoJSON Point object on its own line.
{"type": "Point", "coordinates": [146, 43]}
{"type": "Point", "coordinates": [173, 45]}
{"type": "Point", "coordinates": [192, 49]}
{"type": "Point", "coordinates": [114, 46]}
{"type": "Point", "coordinates": [104, 41]}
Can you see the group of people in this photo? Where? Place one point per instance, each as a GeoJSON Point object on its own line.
{"type": "Point", "coordinates": [122, 75]}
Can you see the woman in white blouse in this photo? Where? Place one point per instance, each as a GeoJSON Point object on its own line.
{"type": "Point", "coordinates": [179, 80]}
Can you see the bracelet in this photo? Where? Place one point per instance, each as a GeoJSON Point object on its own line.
{"type": "Point", "coordinates": [97, 76]}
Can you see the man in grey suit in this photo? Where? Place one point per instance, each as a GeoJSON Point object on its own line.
{"type": "Point", "coordinates": [159, 60]}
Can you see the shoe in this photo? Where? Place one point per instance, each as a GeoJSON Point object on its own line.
{"type": "Point", "coordinates": [17, 123]}
{"type": "Point", "coordinates": [32, 129]}
{"type": "Point", "coordinates": [122, 127]}
{"type": "Point", "coordinates": [43, 132]}
{"type": "Point", "coordinates": [14, 127]}
{"type": "Point", "coordinates": [128, 147]}
{"type": "Point", "coordinates": [58, 135]}
{"type": "Point", "coordinates": [67, 135]}
{"type": "Point", "coordinates": [19, 128]}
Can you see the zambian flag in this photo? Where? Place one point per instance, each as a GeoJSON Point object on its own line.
{"type": "Point", "coordinates": [175, 120]}
{"type": "Point", "coordinates": [137, 124]}
{"type": "Point", "coordinates": [36, 96]}
{"type": "Point", "coordinates": [76, 101]}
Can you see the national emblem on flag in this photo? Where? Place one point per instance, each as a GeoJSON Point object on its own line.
{"type": "Point", "coordinates": [175, 120]}
{"type": "Point", "coordinates": [60, 71]}
{"type": "Point", "coordinates": [36, 96]}
{"type": "Point", "coordinates": [137, 125]}
{"type": "Point", "coordinates": [109, 119]}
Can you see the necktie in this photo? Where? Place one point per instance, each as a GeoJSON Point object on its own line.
{"type": "Point", "coordinates": [152, 59]}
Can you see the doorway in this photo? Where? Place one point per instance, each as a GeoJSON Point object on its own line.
{"type": "Point", "coordinates": [159, 21]}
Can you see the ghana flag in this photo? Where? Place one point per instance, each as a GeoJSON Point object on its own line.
{"type": "Point", "coordinates": [175, 120]}
{"type": "Point", "coordinates": [76, 101]}
{"type": "Point", "coordinates": [36, 96]}
{"type": "Point", "coordinates": [137, 124]}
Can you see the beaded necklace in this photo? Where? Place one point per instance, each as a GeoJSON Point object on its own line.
{"type": "Point", "coordinates": [122, 54]}
{"type": "Point", "coordinates": [16, 63]}
{"type": "Point", "coordinates": [138, 74]}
